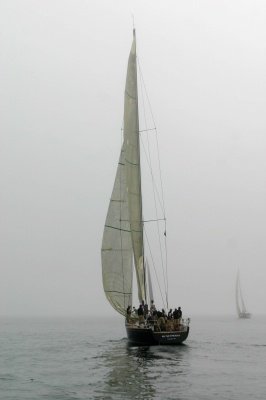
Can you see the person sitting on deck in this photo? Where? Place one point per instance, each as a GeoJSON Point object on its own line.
{"type": "Point", "coordinates": [177, 314]}
{"type": "Point", "coordinates": [150, 318]}
{"type": "Point", "coordinates": [128, 313]}
{"type": "Point", "coordinates": [170, 314]}
{"type": "Point", "coordinates": [134, 312]}
{"type": "Point", "coordinates": [161, 321]}
{"type": "Point", "coordinates": [141, 314]}
{"type": "Point", "coordinates": [152, 308]}
{"type": "Point", "coordinates": [146, 311]}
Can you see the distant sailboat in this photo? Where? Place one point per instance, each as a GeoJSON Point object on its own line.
{"type": "Point", "coordinates": [240, 305]}
{"type": "Point", "coordinates": [123, 237]}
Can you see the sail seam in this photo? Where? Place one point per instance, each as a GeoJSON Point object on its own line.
{"type": "Point", "coordinates": [146, 130]}
{"type": "Point", "coordinates": [133, 193]}
{"type": "Point", "coordinates": [121, 250]}
{"type": "Point", "coordinates": [116, 291]}
{"type": "Point", "coordinates": [154, 220]}
{"type": "Point", "coordinates": [119, 229]}
{"type": "Point", "coordinates": [129, 95]}
{"type": "Point", "coordinates": [131, 163]}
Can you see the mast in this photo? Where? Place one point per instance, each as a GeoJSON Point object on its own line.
{"type": "Point", "coordinates": [133, 169]}
{"type": "Point", "coordinates": [243, 308]}
{"type": "Point", "coordinates": [237, 295]}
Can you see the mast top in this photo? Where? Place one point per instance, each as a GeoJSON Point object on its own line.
{"type": "Point", "coordinates": [133, 23]}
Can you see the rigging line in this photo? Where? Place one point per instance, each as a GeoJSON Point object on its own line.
{"type": "Point", "coordinates": [159, 162]}
{"type": "Point", "coordinates": [166, 263]}
{"type": "Point", "coordinates": [146, 130]}
{"type": "Point", "coordinates": [153, 264]}
{"type": "Point", "coordinates": [153, 120]}
{"type": "Point", "coordinates": [148, 157]}
{"type": "Point", "coordinates": [164, 268]}
{"type": "Point", "coordinates": [153, 220]}
{"type": "Point", "coordinates": [133, 22]}
{"type": "Point", "coordinates": [241, 297]}
{"type": "Point", "coordinates": [152, 177]}
{"type": "Point", "coordinates": [165, 241]}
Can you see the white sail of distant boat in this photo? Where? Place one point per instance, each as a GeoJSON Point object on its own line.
{"type": "Point", "coordinates": [123, 247]}
{"type": "Point", "coordinates": [240, 304]}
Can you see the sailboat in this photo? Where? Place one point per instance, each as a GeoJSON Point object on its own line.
{"type": "Point", "coordinates": [240, 305]}
{"type": "Point", "coordinates": [123, 249]}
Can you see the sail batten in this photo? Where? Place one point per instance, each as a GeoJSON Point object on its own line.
{"type": "Point", "coordinates": [119, 229]}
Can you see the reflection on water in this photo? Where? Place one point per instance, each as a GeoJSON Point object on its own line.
{"type": "Point", "coordinates": [136, 372]}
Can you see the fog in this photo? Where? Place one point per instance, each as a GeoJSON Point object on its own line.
{"type": "Point", "coordinates": [63, 67]}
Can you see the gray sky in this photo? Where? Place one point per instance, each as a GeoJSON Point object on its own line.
{"type": "Point", "coordinates": [63, 66]}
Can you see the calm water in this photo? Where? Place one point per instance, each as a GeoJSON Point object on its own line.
{"type": "Point", "coordinates": [224, 358]}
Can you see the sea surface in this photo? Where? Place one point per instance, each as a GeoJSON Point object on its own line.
{"type": "Point", "coordinates": [89, 358]}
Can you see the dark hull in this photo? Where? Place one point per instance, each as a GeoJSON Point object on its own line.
{"type": "Point", "coordinates": [147, 337]}
{"type": "Point", "coordinates": [244, 315]}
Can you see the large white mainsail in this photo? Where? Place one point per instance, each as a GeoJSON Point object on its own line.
{"type": "Point", "coordinates": [132, 159]}
{"type": "Point", "coordinates": [123, 231]}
